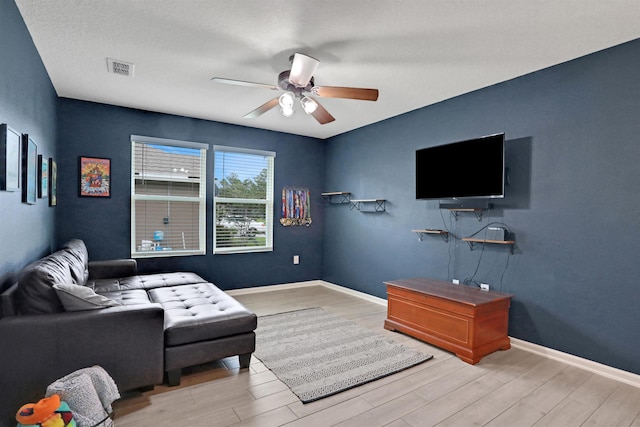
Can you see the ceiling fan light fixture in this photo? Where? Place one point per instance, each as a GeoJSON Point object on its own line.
{"type": "Point", "coordinates": [287, 112]}
{"type": "Point", "coordinates": [302, 69]}
{"type": "Point", "coordinates": [296, 84]}
{"type": "Point", "coordinates": [286, 100]}
{"type": "Point", "coordinates": [308, 105]}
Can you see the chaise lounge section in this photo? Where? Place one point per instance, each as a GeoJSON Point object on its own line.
{"type": "Point", "coordinates": [201, 322]}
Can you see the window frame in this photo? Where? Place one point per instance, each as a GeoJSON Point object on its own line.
{"type": "Point", "coordinates": [201, 198]}
{"type": "Point", "coordinates": [268, 202]}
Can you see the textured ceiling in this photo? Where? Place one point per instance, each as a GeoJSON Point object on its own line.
{"type": "Point", "coordinates": [415, 52]}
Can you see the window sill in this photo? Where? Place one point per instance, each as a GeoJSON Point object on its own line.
{"type": "Point", "coordinates": [241, 250]}
{"type": "Point", "coordinates": [164, 253]}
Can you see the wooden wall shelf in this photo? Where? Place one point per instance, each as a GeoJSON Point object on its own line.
{"type": "Point", "coordinates": [472, 241]}
{"type": "Point", "coordinates": [379, 205]}
{"type": "Point", "coordinates": [456, 211]}
{"type": "Point", "coordinates": [442, 233]}
{"type": "Point", "coordinates": [337, 197]}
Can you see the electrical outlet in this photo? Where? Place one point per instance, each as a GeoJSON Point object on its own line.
{"type": "Point", "coordinates": [296, 259]}
{"type": "Point", "coordinates": [484, 286]}
{"type": "Point", "coordinates": [456, 281]}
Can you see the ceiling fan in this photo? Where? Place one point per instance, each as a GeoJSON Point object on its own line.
{"type": "Point", "coordinates": [297, 84]}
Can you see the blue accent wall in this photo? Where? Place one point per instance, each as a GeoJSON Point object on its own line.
{"type": "Point", "coordinates": [98, 130]}
{"type": "Point", "coordinates": [28, 105]}
{"type": "Point", "coordinates": [573, 152]}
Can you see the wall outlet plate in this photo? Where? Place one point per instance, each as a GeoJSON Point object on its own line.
{"type": "Point", "coordinates": [296, 259]}
{"type": "Point", "coordinates": [484, 286]}
{"type": "Point", "coordinates": [456, 281]}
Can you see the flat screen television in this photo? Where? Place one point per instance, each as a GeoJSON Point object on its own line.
{"type": "Point", "coordinates": [466, 169]}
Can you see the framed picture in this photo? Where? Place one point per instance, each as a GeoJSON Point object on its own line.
{"type": "Point", "coordinates": [43, 176]}
{"type": "Point", "coordinates": [53, 182]}
{"type": "Point", "coordinates": [29, 170]}
{"type": "Point", "coordinates": [10, 142]}
{"type": "Point", "coordinates": [95, 177]}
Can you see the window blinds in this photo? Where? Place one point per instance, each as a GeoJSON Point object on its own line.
{"type": "Point", "coordinates": [168, 197]}
{"type": "Point", "coordinates": [243, 200]}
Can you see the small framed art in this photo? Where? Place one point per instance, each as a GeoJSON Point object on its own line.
{"type": "Point", "coordinates": [95, 177]}
{"type": "Point", "coordinates": [53, 182]}
{"type": "Point", "coordinates": [43, 176]}
{"type": "Point", "coordinates": [10, 142]}
{"type": "Point", "coordinates": [29, 170]}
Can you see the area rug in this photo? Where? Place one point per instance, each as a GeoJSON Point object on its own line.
{"type": "Point", "coordinates": [318, 354]}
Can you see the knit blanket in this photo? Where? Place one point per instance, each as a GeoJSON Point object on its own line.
{"type": "Point", "coordinates": [89, 393]}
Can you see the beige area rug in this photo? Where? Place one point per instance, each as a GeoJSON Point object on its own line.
{"type": "Point", "coordinates": [318, 354]}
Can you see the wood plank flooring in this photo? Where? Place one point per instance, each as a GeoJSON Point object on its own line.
{"type": "Point", "coordinates": [507, 388]}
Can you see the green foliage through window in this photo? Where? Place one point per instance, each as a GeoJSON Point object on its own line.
{"type": "Point", "coordinates": [243, 200]}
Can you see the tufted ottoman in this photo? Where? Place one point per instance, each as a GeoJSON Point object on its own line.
{"type": "Point", "coordinates": [202, 324]}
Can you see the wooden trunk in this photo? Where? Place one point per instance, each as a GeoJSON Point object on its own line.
{"type": "Point", "coordinates": [466, 321]}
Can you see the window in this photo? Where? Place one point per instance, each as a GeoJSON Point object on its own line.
{"type": "Point", "coordinates": [168, 197]}
{"type": "Point", "coordinates": [243, 200]}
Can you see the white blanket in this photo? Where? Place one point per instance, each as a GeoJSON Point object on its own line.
{"type": "Point", "coordinates": [89, 393]}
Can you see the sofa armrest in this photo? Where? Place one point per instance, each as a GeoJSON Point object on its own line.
{"type": "Point", "coordinates": [112, 268]}
{"type": "Point", "coordinates": [127, 341]}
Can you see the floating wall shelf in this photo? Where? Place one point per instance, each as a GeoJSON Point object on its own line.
{"type": "Point", "coordinates": [421, 233]}
{"type": "Point", "coordinates": [472, 241]}
{"type": "Point", "coordinates": [456, 211]}
{"type": "Point", "coordinates": [337, 197]}
{"type": "Point", "coordinates": [379, 205]}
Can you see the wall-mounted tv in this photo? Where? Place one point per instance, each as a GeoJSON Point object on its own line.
{"type": "Point", "coordinates": [465, 169]}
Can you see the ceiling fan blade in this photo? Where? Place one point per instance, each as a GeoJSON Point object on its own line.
{"type": "Point", "coordinates": [302, 69]}
{"type": "Point", "coordinates": [322, 115]}
{"type": "Point", "coordinates": [243, 83]}
{"type": "Point", "coordinates": [262, 109]}
{"type": "Point", "coordinates": [346, 92]}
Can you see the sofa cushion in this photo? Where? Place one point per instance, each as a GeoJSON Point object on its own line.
{"type": "Point", "coordinates": [78, 258]}
{"type": "Point", "coordinates": [200, 312]}
{"type": "Point", "coordinates": [146, 281]}
{"type": "Point", "coordinates": [76, 298]}
{"type": "Point", "coordinates": [35, 294]}
{"type": "Point", "coordinates": [129, 297]}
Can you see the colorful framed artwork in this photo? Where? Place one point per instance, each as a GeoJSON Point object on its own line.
{"type": "Point", "coordinates": [53, 182]}
{"type": "Point", "coordinates": [95, 177]}
{"type": "Point", "coordinates": [29, 170]}
{"type": "Point", "coordinates": [43, 176]}
{"type": "Point", "coordinates": [10, 160]}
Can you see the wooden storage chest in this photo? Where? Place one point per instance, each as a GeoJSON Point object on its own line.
{"type": "Point", "coordinates": [464, 320]}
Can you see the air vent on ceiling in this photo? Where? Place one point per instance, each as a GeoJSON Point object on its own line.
{"type": "Point", "coordinates": [120, 67]}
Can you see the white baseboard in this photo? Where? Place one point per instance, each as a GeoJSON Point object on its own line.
{"type": "Point", "coordinates": [354, 293]}
{"type": "Point", "coordinates": [588, 365]}
{"type": "Point", "coordinates": [269, 288]}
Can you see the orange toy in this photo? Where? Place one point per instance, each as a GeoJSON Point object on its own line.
{"type": "Point", "coordinates": [48, 412]}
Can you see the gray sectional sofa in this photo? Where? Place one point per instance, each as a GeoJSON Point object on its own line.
{"type": "Point", "coordinates": [64, 313]}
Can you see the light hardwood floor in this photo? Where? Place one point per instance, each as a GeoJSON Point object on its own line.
{"type": "Point", "coordinates": [507, 388]}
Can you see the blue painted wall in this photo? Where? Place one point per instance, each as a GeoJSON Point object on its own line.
{"type": "Point", "coordinates": [91, 129]}
{"type": "Point", "coordinates": [28, 105]}
{"type": "Point", "coordinates": [573, 150]}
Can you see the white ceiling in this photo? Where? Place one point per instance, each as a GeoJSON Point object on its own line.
{"type": "Point", "coordinates": [416, 52]}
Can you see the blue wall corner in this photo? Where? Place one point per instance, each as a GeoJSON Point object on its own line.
{"type": "Point", "coordinates": [28, 105]}
{"type": "Point", "coordinates": [572, 151]}
{"type": "Point", "coordinates": [91, 129]}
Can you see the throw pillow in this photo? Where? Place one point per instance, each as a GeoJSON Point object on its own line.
{"type": "Point", "coordinates": [75, 298]}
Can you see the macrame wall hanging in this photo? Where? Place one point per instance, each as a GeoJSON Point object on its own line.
{"type": "Point", "coordinates": [296, 207]}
